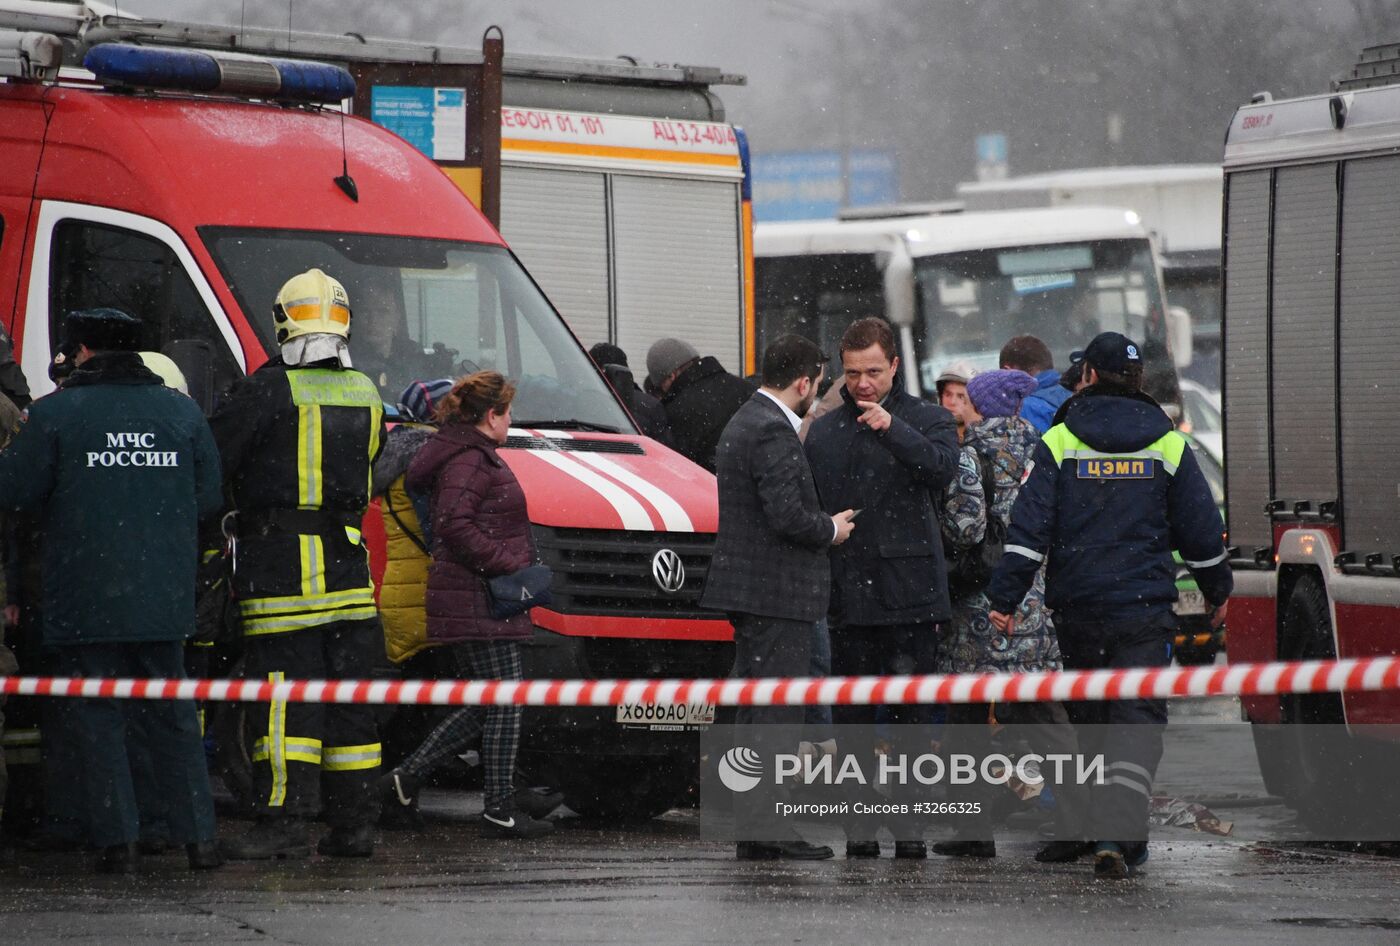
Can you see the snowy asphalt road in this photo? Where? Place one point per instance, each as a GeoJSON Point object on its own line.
{"type": "Point", "coordinates": [661, 883]}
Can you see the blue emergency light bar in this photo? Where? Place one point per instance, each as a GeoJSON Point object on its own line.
{"type": "Point", "coordinates": [193, 70]}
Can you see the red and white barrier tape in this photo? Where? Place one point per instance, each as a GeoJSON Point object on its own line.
{"type": "Point", "coordinates": [1313, 676]}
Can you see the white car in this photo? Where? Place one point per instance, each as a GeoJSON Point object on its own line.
{"type": "Point", "coordinates": [1201, 418]}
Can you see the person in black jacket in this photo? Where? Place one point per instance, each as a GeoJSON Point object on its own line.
{"type": "Point", "coordinates": [645, 409]}
{"type": "Point", "coordinates": [1112, 490]}
{"type": "Point", "coordinates": [698, 394]}
{"type": "Point", "coordinates": [769, 570]}
{"type": "Point", "coordinates": [889, 454]}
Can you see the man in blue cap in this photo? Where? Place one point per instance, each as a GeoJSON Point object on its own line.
{"type": "Point", "coordinates": [119, 470]}
{"type": "Point", "coordinates": [1111, 491]}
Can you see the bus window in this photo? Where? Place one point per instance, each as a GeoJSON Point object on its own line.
{"type": "Point", "coordinates": [971, 303]}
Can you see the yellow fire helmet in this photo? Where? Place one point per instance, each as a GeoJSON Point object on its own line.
{"type": "Point", "coordinates": [309, 304]}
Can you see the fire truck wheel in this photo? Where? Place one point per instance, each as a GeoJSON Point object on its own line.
{"type": "Point", "coordinates": [626, 788]}
{"type": "Point", "coordinates": [1316, 748]}
{"type": "Point", "coordinates": [1274, 748]}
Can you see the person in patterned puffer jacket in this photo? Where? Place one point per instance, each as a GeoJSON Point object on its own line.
{"type": "Point", "coordinates": [970, 644]}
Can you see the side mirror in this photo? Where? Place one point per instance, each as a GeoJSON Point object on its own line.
{"type": "Point", "coordinates": [195, 358]}
{"type": "Point", "coordinates": [1179, 338]}
{"type": "Point", "coordinates": [900, 310]}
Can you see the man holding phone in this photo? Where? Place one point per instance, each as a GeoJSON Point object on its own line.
{"type": "Point", "coordinates": [889, 453]}
{"type": "Point", "coordinates": [769, 571]}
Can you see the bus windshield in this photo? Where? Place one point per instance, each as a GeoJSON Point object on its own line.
{"type": "Point", "coordinates": [424, 309]}
{"type": "Point", "coordinates": [971, 303]}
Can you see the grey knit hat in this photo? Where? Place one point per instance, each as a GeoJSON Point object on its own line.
{"type": "Point", "coordinates": [665, 356]}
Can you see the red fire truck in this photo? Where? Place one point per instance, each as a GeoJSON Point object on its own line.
{"type": "Point", "coordinates": [185, 186]}
{"type": "Point", "coordinates": [1312, 427]}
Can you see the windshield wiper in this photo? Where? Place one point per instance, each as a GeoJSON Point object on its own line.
{"type": "Point", "coordinates": [565, 425]}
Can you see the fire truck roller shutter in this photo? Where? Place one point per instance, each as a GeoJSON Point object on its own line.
{"type": "Point", "coordinates": [1303, 333]}
{"type": "Point", "coordinates": [1370, 347]}
{"type": "Point", "coordinates": [677, 264]}
{"type": "Point", "coordinates": [557, 223]}
{"type": "Point", "coordinates": [1246, 371]}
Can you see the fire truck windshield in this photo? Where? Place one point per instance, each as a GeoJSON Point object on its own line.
{"type": "Point", "coordinates": [971, 303]}
{"type": "Point", "coordinates": [425, 309]}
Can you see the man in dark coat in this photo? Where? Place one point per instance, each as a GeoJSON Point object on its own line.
{"type": "Point", "coordinates": [698, 394]}
{"type": "Point", "coordinates": [769, 571]}
{"type": "Point", "coordinates": [645, 409]}
{"type": "Point", "coordinates": [888, 454]}
{"type": "Point", "coordinates": [120, 470]}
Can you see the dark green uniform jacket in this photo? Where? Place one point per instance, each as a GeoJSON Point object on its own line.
{"type": "Point", "coordinates": [119, 470]}
{"type": "Point", "coordinates": [297, 447]}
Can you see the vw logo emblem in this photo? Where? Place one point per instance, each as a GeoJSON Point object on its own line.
{"type": "Point", "coordinates": [668, 571]}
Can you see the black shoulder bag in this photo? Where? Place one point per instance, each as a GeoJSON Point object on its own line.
{"type": "Point", "coordinates": [519, 591]}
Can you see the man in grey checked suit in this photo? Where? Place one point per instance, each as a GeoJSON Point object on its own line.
{"type": "Point", "coordinates": [770, 570]}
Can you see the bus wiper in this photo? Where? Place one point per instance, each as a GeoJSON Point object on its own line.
{"type": "Point", "coordinates": [564, 425]}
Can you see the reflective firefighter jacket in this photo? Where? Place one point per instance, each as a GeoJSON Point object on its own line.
{"type": "Point", "coordinates": [1111, 492]}
{"type": "Point", "coordinates": [297, 446]}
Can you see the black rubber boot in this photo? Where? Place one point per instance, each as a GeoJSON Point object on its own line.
{"type": "Point", "coordinates": [398, 801]}
{"type": "Point", "coordinates": [204, 855]}
{"type": "Point", "coordinates": [268, 839]}
{"type": "Point", "coordinates": [357, 841]}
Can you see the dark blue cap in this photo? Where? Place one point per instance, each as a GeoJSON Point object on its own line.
{"type": "Point", "coordinates": [1114, 353]}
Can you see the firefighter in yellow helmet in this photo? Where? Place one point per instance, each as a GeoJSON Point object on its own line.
{"type": "Point", "coordinates": [298, 438]}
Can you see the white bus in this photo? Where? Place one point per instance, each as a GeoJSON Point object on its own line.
{"type": "Point", "coordinates": [1178, 203]}
{"type": "Point", "coordinates": [959, 285]}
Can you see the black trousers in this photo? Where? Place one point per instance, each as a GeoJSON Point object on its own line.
{"type": "Point", "coordinates": [771, 647]}
{"type": "Point", "coordinates": [167, 732]}
{"type": "Point", "coordinates": [768, 647]}
{"type": "Point", "coordinates": [302, 750]}
{"type": "Point", "coordinates": [1128, 733]}
{"type": "Point", "coordinates": [890, 650]}
{"type": "Point", "coordinates": [893, 650]}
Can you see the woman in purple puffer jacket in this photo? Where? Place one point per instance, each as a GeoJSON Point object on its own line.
{"type": "Point", "coordinates": [480, 531]}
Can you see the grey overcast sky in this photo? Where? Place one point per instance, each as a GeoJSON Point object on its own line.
{"type": "Point", "coordinates": [1070, 83]}
{"type": "Point", "coordinates": [767, 41]}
